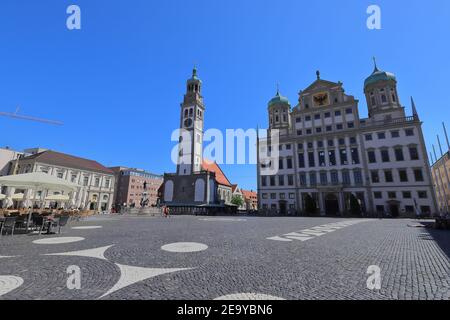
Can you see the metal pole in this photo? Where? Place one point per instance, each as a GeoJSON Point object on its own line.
{"type": "Point", "coordinates": [446, 135]}
{"type": "Point", "coordinates": [442, 181]}
{"type": "Point", "coordinates": [440, 146]}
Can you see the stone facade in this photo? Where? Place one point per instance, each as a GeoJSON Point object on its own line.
{"type": "Point", "coordinates": [96, 182]}
{"type": "Point", "coordinates": [129, 188]}
{"type": "Point", "coordinates": [7, 156]}
{"type": "Point", "coordinates": [441, 178]}
{"type": "Point", "coordinates": [330, 157]}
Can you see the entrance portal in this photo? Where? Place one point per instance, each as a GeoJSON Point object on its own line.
{"type": "Point", "coordinates": [283, 208]}
{"type": "Point", "coordinates": [393, 208]}
{"type": "Point", "coordinates": [331, 205]}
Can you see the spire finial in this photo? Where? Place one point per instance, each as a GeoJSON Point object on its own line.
{"type": "Point", "coordinates": [318, 74]}
{"type": "Point", "coordinates": [278, 88]}
{"type": "Point", "coordinates": [375, 64]}
{"type": "Point", "coordinates": [194, 71]}
{"type": "Point", "coordinates": [414, 110]}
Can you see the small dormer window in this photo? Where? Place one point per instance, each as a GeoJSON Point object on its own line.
{"type": "Point", "coordinates": [277, 119]}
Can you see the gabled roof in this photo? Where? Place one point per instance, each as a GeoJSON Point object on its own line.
{"type": "Point", "coordinates": [248, 194]}
{"type": "Point", "coordinates": [322, 85]}
{"type": "Point", "coordinates": [65, 160]}
{"type": "Point", "coordinates": [208, 165]}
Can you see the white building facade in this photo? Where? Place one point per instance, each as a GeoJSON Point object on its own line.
{"type": "Point", "coordinates": [96, 182]}
{"type": "Point", "coordinates": [330, 157]}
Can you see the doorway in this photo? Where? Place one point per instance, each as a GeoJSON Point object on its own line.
{"type": "Point", "coordinates": [283, 208]}
{"type": "Point", "coordinates": [393, 209]}
{"type": "Point", "coordinates": [331, 205]}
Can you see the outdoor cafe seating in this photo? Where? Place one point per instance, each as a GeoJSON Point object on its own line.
{"type": "Point", "coordinates": [33, 193]}
{"type": "Point", "coordinates": [44, 221]}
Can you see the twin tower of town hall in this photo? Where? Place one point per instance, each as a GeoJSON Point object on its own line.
{"type": "Point", "coordinates": [327, 158]}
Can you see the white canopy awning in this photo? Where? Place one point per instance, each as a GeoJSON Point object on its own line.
{"type": "Point", "coordinates": [57, 197]}
{"type": "Point", "coordinates": [37, 181]}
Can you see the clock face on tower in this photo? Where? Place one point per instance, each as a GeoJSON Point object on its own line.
{"type": "Point", "coordinates": [188, 123]}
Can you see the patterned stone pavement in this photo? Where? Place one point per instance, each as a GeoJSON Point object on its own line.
{"type": "Point", "coordinates": [187, 257]}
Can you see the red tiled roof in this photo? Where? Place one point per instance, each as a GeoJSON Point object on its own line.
{"type": "Point", "coordinates": [249, 194]}
{"type": "Point", "coordinates": [214, 167]}
{"type": "Point", "coordinates": [65, 160]}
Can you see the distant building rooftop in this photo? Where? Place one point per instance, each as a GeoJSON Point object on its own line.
{"type": "Point", "coordinates": [69, 161]}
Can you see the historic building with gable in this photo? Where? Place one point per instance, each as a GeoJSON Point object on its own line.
{"type": "Point", "coordinates": [331, 157]}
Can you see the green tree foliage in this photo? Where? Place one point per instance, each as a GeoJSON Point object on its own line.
{"type": "Point", "coordinates": [237, 200]}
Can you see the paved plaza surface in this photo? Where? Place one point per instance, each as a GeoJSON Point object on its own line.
{"type": "Point", "coordinates": [196, 257]}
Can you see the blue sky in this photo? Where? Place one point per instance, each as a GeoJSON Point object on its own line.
{"type": "Point", "coordinates": [117, 84]}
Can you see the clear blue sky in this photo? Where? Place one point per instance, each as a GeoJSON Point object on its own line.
{"type": "Point", "coordinates": [117, 84]}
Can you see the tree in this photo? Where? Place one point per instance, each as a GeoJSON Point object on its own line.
{"type": "Point", "coordinates": [237, 200]}
{"type": "Point", "coordinates": [355, 207]}
{"type": "Point", "coordinates": [310, 205]}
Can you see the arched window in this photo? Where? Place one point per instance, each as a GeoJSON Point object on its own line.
{"type": "Point", "coordinates": [383, 98]}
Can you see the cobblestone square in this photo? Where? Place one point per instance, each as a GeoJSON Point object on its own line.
{"type": "Point", "coordinates": [198, 257]}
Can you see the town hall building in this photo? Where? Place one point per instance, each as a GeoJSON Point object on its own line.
{"type": "Point", "coordinates": [330, 157]}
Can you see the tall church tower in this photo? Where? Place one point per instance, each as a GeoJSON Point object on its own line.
{"type": "Point", "coordinates": [191, 128]}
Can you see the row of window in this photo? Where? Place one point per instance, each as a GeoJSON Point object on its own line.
{"type": "Point", "coordinates": [73, 179]}
{"type": "Point", "coordinates": [401, 173]}
{"type": "Point", "coordinates": [339, 126]}
{"type": "Point", "coordinates": [379, 208]}
{"type": "Point", "coordinates": [329, 158]}
{"type": "Point", "coordinates": [405, 195]}
{"type": "Point", "coordinates": [326, 115]}
{"type": "Point", "coordinates": [281, 196]}
{"type": "Point", "coordinates": [376, 195]}
{"type": "Point", "coordinates": [279, 180]}
{"type": "Point", "coordinates": [383, 96]}
{"type": "Point", "coordinates": [315, 179]}
{"type": "Point", "coordinates": [393, 134]}
{"type": "Point", "coordinates": [190, 112]}
{"type": "Point", "coordinates": [319, 144]}
{"type": "Point", "coordinates": [398, 154]}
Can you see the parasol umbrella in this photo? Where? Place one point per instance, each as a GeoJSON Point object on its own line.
{"type": "Point", "coordinates": [26, 200]}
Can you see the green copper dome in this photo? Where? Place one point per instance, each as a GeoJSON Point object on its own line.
{"type": "Point", "coordinates": [194, 78]}
{"type": "Point", "coordinates": [379, 75]}
{"type": "Point", "coordinates": [279, 99]}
